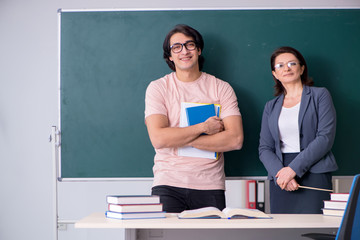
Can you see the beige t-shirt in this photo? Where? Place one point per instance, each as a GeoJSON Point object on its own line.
{"type": "Point", "coordinates": [164, 96]}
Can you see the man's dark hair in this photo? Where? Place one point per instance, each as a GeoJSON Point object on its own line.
{"type": "Point", "coordinates": [187, 31]}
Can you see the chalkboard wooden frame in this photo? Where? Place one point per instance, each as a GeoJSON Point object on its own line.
{"type": "Point", "coordinates": [107, 59]}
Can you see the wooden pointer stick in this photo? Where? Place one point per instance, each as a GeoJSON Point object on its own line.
{"type": "Point", "coordinates": [318, 189]}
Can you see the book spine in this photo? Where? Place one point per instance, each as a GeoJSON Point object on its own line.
{"type": "Point", "coordinates": [251, 194]}
{"type": "Point", "coordinates": [260, 200]}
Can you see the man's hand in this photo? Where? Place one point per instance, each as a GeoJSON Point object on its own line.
{"type": "Point", "coordinates": [213, 125]}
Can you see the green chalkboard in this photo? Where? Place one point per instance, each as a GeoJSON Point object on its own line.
{"type": "Point", "coordinates": [107, 59]}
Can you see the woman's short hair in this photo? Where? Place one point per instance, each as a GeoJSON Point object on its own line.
{"type": "Point", "coordinates": [279, 89]}
{"type": "Point", "coordinates": [187, 31]}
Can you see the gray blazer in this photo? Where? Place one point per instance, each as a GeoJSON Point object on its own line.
{"type": "Point", "coordinates": [317, 127]}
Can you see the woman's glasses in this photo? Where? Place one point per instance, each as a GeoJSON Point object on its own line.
{"type": "Point", "coordinates": [280, 66]}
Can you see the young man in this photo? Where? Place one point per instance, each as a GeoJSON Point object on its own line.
{"type": "Point", "coordinates": [189, 182]}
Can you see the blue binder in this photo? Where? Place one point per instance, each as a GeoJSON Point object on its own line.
{"type": "Point", "coordinates": [199, 114]}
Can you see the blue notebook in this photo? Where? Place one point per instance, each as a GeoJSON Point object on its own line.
{"type": "Point", "coordinates": [189, 151]}
{"type": "Point", "coordinates": [199, 114]}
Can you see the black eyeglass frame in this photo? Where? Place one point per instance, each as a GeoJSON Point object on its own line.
{"type": "Point", "coordinates": [182, 46]}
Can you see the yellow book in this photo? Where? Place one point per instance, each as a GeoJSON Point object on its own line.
{"type": "Point", "coordinates": [227, 213]}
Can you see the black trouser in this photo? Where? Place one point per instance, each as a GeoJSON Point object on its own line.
{"type": "Point", "coordinates": [176, 199]}
{"type": "Point", "coordinates": [301, 200]}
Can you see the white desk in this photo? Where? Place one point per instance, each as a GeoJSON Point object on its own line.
{"type": "Point", "coordinates": [288, 222]}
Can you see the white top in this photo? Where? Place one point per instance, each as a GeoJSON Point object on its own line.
{"type": "Point", "coordinates": [289, 129]}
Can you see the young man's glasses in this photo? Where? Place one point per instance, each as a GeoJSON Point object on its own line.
{"type": "Point", "coordinates": [178, 47]}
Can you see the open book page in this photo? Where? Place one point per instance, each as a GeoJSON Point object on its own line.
{"type": "Point", "coordinates": [191, 151]}
{"type": "Point", "coordinates": [206, 212]}
{"type": "Point", "coordinates": [229, 213]}
{"type": "Point", "coordinates": [244, 213]}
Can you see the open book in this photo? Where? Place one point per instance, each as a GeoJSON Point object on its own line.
{"type": "Point", "coordinates": [229, 213]}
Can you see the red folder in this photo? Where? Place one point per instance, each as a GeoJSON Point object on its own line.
{"type": "Point", "coordinates": [251, 194]}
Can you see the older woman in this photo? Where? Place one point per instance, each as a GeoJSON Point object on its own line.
{"type": "Point", "coordinates": [297, 134]}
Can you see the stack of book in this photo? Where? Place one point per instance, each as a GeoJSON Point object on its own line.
{"type": "Point", "coordinates": [192, 114]}
{"type": "Point", "coordinates": [134, 207]}
{"type": "Point", "coordinates": [336, 205]}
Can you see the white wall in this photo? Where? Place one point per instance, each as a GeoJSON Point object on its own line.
{"type": "Point", "coordinates": [29, 101]}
